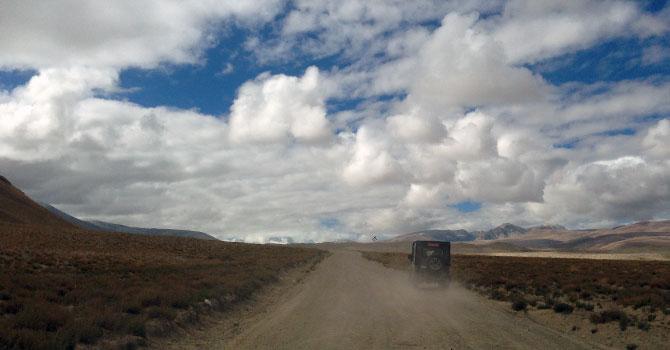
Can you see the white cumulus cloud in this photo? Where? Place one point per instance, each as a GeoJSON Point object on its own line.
{"type": "Point", "coordinates": [115, 33]}
{"type": "Point", "coordinates": [272, 108]}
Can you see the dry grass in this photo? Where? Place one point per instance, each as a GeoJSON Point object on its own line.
{"type": "Point", "coordinates": [585, 255]}
{"type": "Point", "coordinates": [601, 287]}
{"type": "Point", "coordinates": [60, 287]}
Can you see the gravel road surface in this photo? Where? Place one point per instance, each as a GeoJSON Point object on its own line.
{"type": "Point", "coordinates": [349, 302]}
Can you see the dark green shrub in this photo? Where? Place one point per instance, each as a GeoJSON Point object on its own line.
{"type": "Point", "coordinates": [563, 308]}
{"type": "Point", "coordinates": [10, 307]}
{"type": "Point", "coordinates": [152, 300]}
{"type": "Point", "coordinates": [607, 316]}
{"type": "Point", "coordinates": [136, 327]}
{"type": "Point", "coordinates": [584, 306]}
{"type": "Point", "coordinates": [31, 339]}
{"type": "Point", "coordinates": [519, 305]}
{"type": "Point", "coordinates": [111, 321]}
{"type": "Point", "coordinates": [644, 325]}
{"type": "Point", "coordinates": [612, 315]}
{"type": "Point", "coordinates": [161, 313]}
{"type": "Point", "coordinates": [87, 332]}
{"type": "Point", "coordinates": [497, 294]}
{"type": "Point", "coordinates": [41, 317]}
{"type": "Point", "coordinates": [180, 304]}
{"type": "Point", "coordinates": [133, 309]}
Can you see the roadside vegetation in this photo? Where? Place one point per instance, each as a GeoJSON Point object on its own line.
{"type": "Point", "coordinates": [62, 287]}
{"type": "Point", "coordinates": [630, 293]}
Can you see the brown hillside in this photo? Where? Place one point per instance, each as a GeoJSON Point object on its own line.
{"type": "Point", "coordinates": [17, 208]}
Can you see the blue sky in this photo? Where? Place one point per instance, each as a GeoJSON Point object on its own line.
{"type": "Point", "coordinates": [210, 89]}
{"type": "Point", "coordinates": [207, 88]}
{"type": "Point", "coordinates": [294, 120]}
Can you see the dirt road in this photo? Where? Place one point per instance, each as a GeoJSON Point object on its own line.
{"type": "Point", "coordinates": [349, 302]}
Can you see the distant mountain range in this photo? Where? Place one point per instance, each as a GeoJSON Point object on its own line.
{"type": "Point", "coordinates": [111, 227]}
{"type": "Point", "coordinates": [503, 231]}
{"type": "Point", "coordinates": [646, 236]}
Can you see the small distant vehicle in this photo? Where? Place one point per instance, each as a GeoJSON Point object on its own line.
{"type": "Point", "coordinates": [431, 262]}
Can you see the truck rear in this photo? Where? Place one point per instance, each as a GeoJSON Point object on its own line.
{"type": "Point", "coordinates": [431, 262]}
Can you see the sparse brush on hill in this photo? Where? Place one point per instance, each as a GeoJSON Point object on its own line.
{"type": "Point", "coordinates": [61, 287]}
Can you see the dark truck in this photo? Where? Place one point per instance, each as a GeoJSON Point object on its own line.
{"type": "Point", "coordinates": [431, 261]}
